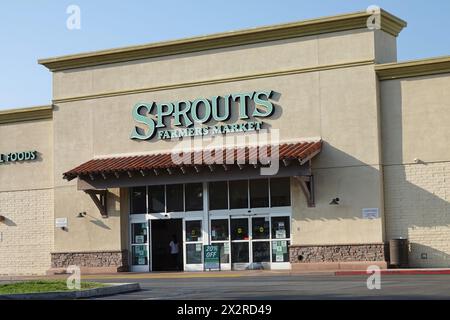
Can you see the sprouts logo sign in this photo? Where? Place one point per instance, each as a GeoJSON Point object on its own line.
{"type": "Point", "coordinates": [18, 157]}
{"type": "Point", "coordinates": [154, 117]}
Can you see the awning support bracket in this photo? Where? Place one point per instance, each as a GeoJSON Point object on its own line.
{"type": "Point", "coordinates": [99, 198]}
{"type": "Point", "coordinates": [307, 187]}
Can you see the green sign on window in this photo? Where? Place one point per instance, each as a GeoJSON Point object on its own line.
{"type": "Point", "coordinates": [211, 257]}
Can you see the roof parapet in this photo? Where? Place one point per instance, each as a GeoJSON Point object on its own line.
{"type": "Point", "coordinates": [26, 114]}
{"type": "Point", "coordinates": [389, 23]}
{"type": "Point", "coordinates": [413, 68]}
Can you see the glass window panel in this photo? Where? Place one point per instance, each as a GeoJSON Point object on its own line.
{"type": "Point", "coordinates": [156, 199]}
{"type": "Point", "coordinates": [194, 196]}
{"type": "Point", "coordinates": [280, 251]}
{"type": "Point", "coordinates": [261, 251]}
{"type": "Point", "coordinates": [224, 252]}
{"type": "Point", "coordinates": [280, 228]}
{"type": "Point", "coordinates": [219, 230]}
{"type": "Point", "coordinates": [194, 253]}
{"type": "Point", "coordinates": [194, 230]}
{"type": "Point", "coordinates": [259, 193]}
{"type": "Point", "coordinates": [138, 200]}
{"type": "Point", "coordinates": [260, 228]}
{"type": "Point", "coordinates": [139, 255]}
{"type": "Point", "coordinates": [174, 198]}
{"type": "Point", "coordinates": [239, 252]}
{"type": "Point", "coordinates": [239, 229]}
{"type": "Point", "coordinates": [218, 195]}
{"type": "Point", "coordinates": [139, 233]}
{"type": "Point", "coordinates": [238, 194]}
{"type": "Point", "coordinates": [280, 192]}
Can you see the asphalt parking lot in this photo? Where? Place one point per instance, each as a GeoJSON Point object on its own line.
{"type": "Point", "coordinates": [285, 287]}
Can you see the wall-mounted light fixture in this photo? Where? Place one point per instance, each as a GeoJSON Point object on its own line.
{"type": "Point", "coordinates": [334, 202]}
{"type": "Point", "coordinates": [2, 218]}
{"type": "Point", "coordinates": [81, 215]}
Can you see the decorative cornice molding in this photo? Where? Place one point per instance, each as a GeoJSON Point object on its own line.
{"type": "Point", "coordinates": [216, 81]}
{"type": "Point", "coordinates": [415, 68]}
{"type": "Point", "coordinates": [26, 114]}
{"type": "Point", "coordinates": [358, 20]}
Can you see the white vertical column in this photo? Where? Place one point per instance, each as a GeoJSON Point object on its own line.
{"type": "Point", "coordinates": [205, 227]}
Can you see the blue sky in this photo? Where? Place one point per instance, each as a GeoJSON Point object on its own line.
{"type": "Point", "coordinates": [35, 29]}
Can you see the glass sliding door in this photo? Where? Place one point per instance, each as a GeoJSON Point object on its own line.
{"type": "Point", "coordinates": [193, 245]}
{"type": "Point", "coordinates": [240, 243]}
{"type": "Point", "coordinates": [260, 242]}
{"type": "Point", "coordinates": [220, 236]}
{"type": "Point", "coordinates": [139, 247]}
{"type": "Point", "coordinates": [281, 234]}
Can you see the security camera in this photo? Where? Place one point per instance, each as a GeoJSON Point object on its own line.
{"type": "Point", "coordinates": [334, 201]}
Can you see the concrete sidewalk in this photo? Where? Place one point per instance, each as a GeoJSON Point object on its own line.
{"type": "Point", "coordinates": [168, 275]}
{"type": "Point", "coordinates": [409, 272]}
{"type": "Point", "coordinates": [228, 274]}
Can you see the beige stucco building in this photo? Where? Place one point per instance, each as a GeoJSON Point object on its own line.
{"type": "Point", "coordinates": [92, 179]}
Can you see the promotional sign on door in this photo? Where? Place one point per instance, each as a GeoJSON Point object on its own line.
{"type": "Point", "coordinates": [211, 257]}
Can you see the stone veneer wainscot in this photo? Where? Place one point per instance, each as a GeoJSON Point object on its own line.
{"type": "Point", "coordinates": [100, 259]}
{"type": "Point", "coordinates": [338, 253]}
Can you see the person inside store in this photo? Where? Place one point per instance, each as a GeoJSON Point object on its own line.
{"type": "Point", "coordinates": [174, 252]}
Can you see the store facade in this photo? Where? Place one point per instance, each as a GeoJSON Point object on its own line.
{"type": "Point", "coordinates": [296, 146]}
{"type": "Point", "coordinates": [247, 241]}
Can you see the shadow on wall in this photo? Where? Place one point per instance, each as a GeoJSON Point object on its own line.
{"type": "Point", "coordinates": [421, 215]}
{"type": "Point", "coordinates": [342, 183]}
{"type": "Point", "coordinates": [338, 181]}
{"type": "Point", "coordinates": [98, 222]}
{"type": "Point", "coordinates": [113, 202]}
{"type": "Point", "coordinates": [9, 222]}
{"type": "Point", "coordinates": [415, 208]}
{"type": "Point", "coordinates": [426, 256]}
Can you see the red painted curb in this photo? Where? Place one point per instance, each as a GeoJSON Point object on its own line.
{"type": "Point", "coordinates": [393, 272]}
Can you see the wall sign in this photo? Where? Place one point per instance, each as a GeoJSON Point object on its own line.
{"type": "Point", "coordinates": [61, 222]}
{"type": "Point", "coordinates": [370, 213]}
{"type": "Point", "coordinates": [154, 116]}
{"type": "Point", "coordinates": [18, 157]}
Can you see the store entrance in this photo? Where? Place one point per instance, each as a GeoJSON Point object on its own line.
{"type": "Point", "coordinates": [162, 232]}
{"type": "Point", "coordinates": [250, 242]}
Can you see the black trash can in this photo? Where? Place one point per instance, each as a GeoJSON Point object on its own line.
{"type": "Point", "coordinates": [398, 251]}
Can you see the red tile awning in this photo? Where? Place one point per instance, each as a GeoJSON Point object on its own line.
{"type": "Point", "coordinates": [301, 152]}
